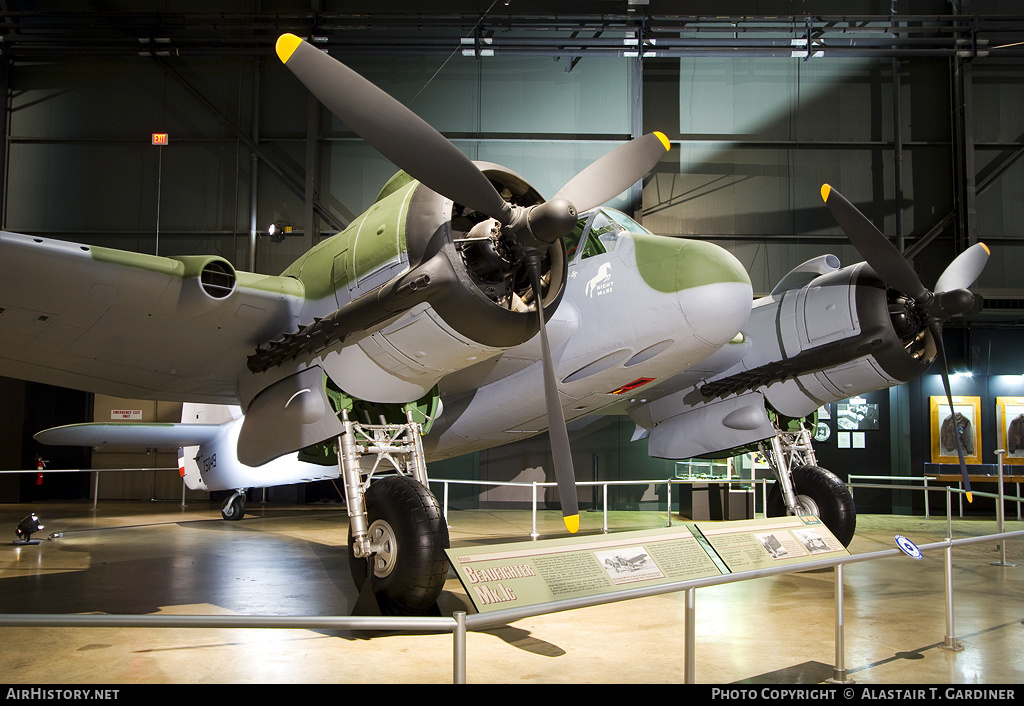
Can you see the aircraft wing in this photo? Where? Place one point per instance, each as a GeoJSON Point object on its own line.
{"type": "Point", "coordinates": [134, 325]}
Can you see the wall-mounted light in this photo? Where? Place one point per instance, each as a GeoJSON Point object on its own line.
{"type": "Point", "coordinates": [278, 230]}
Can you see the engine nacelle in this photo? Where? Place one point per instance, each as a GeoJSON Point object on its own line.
{"type": "Point", "coordinates": [423, 287]}
{"type": "Point", "coordinates": [463, 297]}
{"type": "Point", "coordinates": [840, 334]}
{"type": "Point", "coordinates": [823, 335]}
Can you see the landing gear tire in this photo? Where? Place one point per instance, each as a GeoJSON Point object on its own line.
{"type": "Point", "coordinates": [821, 494]}
{"type": "Point", "coordinates": [234, 507]}
{"type": "Point", "coordinates": [410, 565]}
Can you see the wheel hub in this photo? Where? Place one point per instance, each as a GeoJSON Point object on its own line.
{"type": "Point", "coordinates": [384, 547]}
{"type": "Point", "coordinates": [807, 505]}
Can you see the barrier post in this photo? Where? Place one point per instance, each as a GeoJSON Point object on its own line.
{"type": "Point", "coordinates": [1001, 514]}
{"type": "Point", "coordinates": [535, 533]}
{"type": "Point", "coordinates": [839, 670]}
{"type": "Point", "coordinates": [459, 647]}
{"type": "Point", "coordinates": [690, 658]}
{"type": "Point", "coordinates": [950, 642]}
{"type": "Point", "coordinates": [604, 508]}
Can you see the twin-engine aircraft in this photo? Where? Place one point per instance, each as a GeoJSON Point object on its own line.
{"type": "Point", "coordinates": [460, 312]}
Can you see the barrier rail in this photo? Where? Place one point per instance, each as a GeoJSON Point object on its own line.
{"type": "Point", "coordinates": [853, 481]}
{"type": "Point", "coordinates": [998, 478]}
{"type": "Point", "coordinates": [96, 478]}
{"type": "Point", "coordinates": [461, 622]}
{"type": "Point", "coordinates": [535, 485]}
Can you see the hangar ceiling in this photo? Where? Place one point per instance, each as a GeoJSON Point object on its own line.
{"type": "Point", "coordinates": [620, 29]}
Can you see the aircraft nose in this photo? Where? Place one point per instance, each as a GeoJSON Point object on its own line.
{"type": "Point", "coordinates": [711, 285]}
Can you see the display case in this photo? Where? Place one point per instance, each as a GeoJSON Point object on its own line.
{"type": "Point", "coordinates": [715, 489]}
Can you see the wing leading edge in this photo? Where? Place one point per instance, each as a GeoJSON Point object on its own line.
{"type": "Point", "coordinates": [130, 434]}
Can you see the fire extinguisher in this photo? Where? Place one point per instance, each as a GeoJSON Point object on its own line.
{"type": "Point", "coordinates": [40, 465]}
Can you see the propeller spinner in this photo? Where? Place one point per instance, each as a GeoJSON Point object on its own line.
{"type": "Point", "coordinates": [951, 296]}
{"type": "Point", "coordinates": [430, 158]}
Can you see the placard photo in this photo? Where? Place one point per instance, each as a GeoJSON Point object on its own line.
{"type": "Point", "coordinates": [963, 421]}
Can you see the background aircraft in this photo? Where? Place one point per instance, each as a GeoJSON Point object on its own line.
{"type": "Point", "coordinates": [465, 307]}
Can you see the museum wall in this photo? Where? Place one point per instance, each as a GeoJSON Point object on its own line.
{"type": "Point", "coordinates": [162, 483]}
{"type": "Point", "coordinates": [753, 140]}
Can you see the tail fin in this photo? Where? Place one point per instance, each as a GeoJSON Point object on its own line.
{"type": "Point", "coordinates": [198, 460]}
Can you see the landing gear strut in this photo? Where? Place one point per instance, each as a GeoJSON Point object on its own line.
{"type": "Point", "coordinates": [397, 532]}
{"type": "Point", "coordinates": [804, 488]}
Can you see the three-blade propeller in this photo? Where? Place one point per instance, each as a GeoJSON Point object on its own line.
{"type": "Point", "coordinates": [950, 297]}
{"type": "Point", "coordinates": [430, 158]}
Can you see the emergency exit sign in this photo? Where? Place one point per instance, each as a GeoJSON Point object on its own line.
{"type": "Point", "coordinates": [160, 138]}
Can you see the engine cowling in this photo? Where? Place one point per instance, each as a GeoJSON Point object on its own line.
{"type": "Point", "coordinates": [823, 335]}
{"type": "Point", "coordinates": [423, 286]}
{"type": "Point", "coordinates": [466, 297]}
{"type": "Point", "coordinates": [840, 334]}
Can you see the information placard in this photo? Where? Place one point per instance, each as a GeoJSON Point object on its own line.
{"type": "Point", "coordinates": [746, 545]}
{"type": "Point", "coordinates": [529, 573]}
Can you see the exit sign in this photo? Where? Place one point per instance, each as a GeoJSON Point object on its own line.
{"type": "Point", "coordinates": [160, 138]}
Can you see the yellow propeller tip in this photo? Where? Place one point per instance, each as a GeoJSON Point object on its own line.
{"type": "Point", "coordinates": [970, 497]}
{"type": "Point", "coordinates": [985, 248]}
{"type": "Point", "coordinates": [664, 140]}
{"type": "Point", "coordinates": [572, 523]}
{"type": "Point", "coordinates": [825, 191]}
{"type": "Point", "coordinates": [286, 46]}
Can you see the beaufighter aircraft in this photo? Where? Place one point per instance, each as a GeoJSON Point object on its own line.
{"type": "Point", "coordinates": [460, 312]}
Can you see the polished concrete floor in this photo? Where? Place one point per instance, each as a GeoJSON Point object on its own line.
{"type": "Point", "coordinates": [142, 558]}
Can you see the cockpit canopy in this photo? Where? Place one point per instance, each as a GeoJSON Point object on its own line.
{"type": "Point", "coordinates": [597, 232]}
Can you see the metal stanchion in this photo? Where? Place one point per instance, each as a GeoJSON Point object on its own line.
{"type": "Point", "coordinates": [535, 533]}
{"type": "Point", "coordinates": [689, 659]}
{"type": "Point", "coordinates": [839, 670]}
{"type": "Point", "coordinates": [604, 508]}
{"type": "Point", "coordinates": [949, 513]}
{"type": "Point", "coordinates": [459, 648]}
{"type": "Point", "coordinates": [1000, 514]}
{"type": "Point", "coordinates": [950, 642]}
{"type": "Point", "coordinates": [927, 511]}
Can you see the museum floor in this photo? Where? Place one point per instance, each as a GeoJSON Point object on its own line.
{"type": "Point", "coordinates": [141, 558]}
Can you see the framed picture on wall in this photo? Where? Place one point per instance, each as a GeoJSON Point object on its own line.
{"type": "Point", "coordinates": [1010, 428]}
{"type": "Point", "coordinates": [963, 421]}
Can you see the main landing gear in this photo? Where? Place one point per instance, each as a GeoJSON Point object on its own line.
{"type": "Point", "coordinates": [804, 488]}
{"type": "Point", "coordinates": [397, 532]}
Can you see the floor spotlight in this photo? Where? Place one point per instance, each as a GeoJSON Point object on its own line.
{"type": "Point", "coordinates": [26, 528]}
